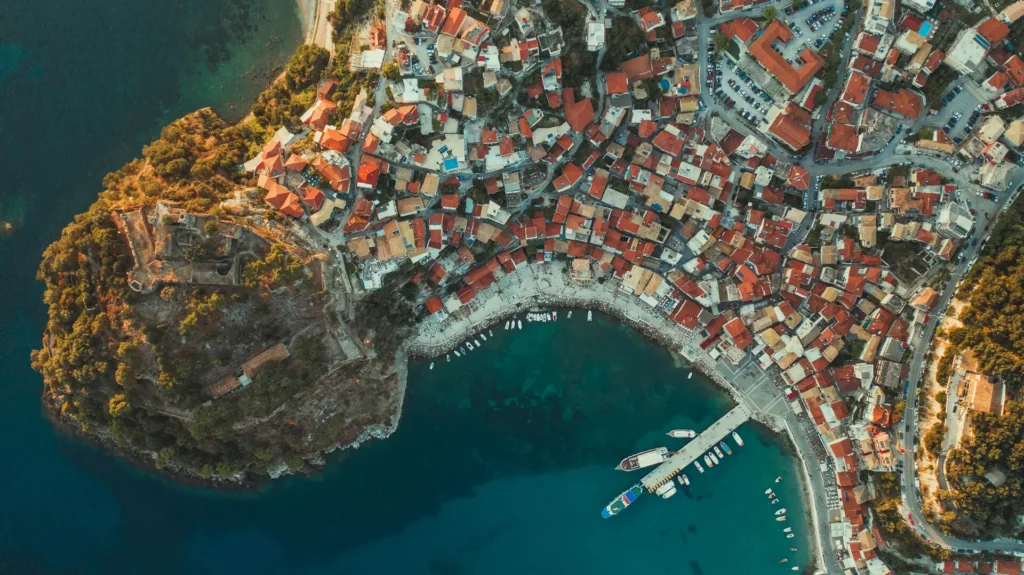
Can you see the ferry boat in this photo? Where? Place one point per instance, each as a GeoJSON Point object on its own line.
{"type": "Point", "coordinates": [644, 459]}
{"type": "Point", "coordinates": [682, 433]}
{"type": "Point", "coordinates": [780, 511]}
{"type": "Point", "coordinates": [780, 518]}
{"type": "Point", "coordinates": [725, 447]}
{"type": "Point", "coordinates": [713, 458]}
{"type": "Point", "coordinates": [718, 452]}
{"type": "Point", "coordinates": [697, 465]}
{"type": "Point", "coordinates": [624, 500]}
{"type": "Point", "coordinates": [590, 315]}
{"type": "Point", "coordinates": [431, 365]}
{"type": "Point", "coordinates": [707, 461]}
{"type": "Point", "coordinates": [736, 437]}
{"type": "Point", "coordinates": [667, 490]}
{"type": "Point", "coordinates": [787, 530]}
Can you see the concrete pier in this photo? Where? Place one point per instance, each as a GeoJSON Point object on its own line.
{"type": "Point", "coordinates": [697, 447]}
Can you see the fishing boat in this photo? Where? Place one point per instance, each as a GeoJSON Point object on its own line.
{"type": "Point", "coordinates": [790, 536]}
{"type": "Point", "coordinates": [736, 437]}
{"type": "Point", "coordinates": [718, 452]}
{"type": "Point", "coordinates": [431, 365]}
{"type": "Point", "coordinates": [590, 315]}
{"type": "Point", "coordinates": [768, 491]}
{"type": "Point", "coordinates": [697, 465]}
{"type": "Point", "coordinates": [780, 511]}
{"type": "Point", "coordinates": [780, 518]}
{"type": "Point", "coordinates": [624, 500]}
{"type": "Point", "coordinates": [476, 342]}
{"type": "Point", "coordinates": [568, 315]}
{"type": "Point", "coordinates": [469, 346]}
{"type": "Point", "coordinates": [714, 458]}
{"type": "Point", "coordinates": [787, 530]}
{"type": "Point", "coordinates": [707, 461]}
{"type": "Point", "coordinates": [644, 459]}
{"type": "Point", "coordinates": [725, 447]}
{"type": "Point", "coordinates": [554, 316]}
{"type": "Point", "coordinates": [682, 433]}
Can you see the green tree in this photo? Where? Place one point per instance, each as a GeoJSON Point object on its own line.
{"type": "Point", "coordinates": [391, 71]}
{"type": "Point", "coordinates": [118, 405]}
{"type": "Point", "coordinates": [721, 42]}
{"type": "Point", "coordinates": [769, 13]}
{"type": "Point", "coordinates": [306, 66]}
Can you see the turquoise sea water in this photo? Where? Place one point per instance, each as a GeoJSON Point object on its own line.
{"type": "Point", "coordinates": [503, 459]}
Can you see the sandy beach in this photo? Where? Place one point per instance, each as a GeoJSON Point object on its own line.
{"type": "Point", "coordinates": [306, 9]}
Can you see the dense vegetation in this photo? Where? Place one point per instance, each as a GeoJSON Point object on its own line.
{"type": "Point", "coordinates": [995, 443]}
{"type": "Point", "coordinates": [891, 521]}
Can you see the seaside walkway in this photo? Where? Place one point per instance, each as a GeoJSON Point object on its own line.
{"type": "Point", "coordinates": [697, 447]}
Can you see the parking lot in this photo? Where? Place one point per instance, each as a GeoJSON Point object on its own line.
{"type": "Point", "coordinates": [964, 105]}
{"type": "Point", "coordinates": [825, 16]}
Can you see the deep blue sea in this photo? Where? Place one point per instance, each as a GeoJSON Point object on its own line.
{"type": "Point", "coordinates": [503, 459]}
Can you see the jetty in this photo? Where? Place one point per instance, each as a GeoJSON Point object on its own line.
{"type": "Point", "coordinates": [697, 446]}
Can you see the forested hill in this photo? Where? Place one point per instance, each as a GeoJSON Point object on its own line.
{"type": "Point", "coordinates": [994, 289]}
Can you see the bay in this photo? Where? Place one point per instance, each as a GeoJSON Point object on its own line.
{"type": "Point", "coordinates": [503, 459]}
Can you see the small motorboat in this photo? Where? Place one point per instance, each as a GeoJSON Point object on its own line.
{"type": "Point", "coordinates": [781, 518]}
{"type": "Point", "coordinates": [707, 461]}
{"type": "Point", "coordinates": [590, 315]}
{"type": "Point", "coordinates": [686, 480]}
{"type": "Point", "coordinates": [784, 560]}
{"type": "Point", "coordinates": [781, 511]}
{"type": "Point", "coordinates": [768, 491]}
{"type": "Point", "coordinates": [713, 458]}
{"type": "Point", "coordinates": [774, 501]}
{"type": "Point", "coordinates": [476, 342]}
{"type": "Point", "coordinates": [431, 365]}
{"type": "Point", "coordinates": [489, 332]}
{"type": "Point", "coordinates": [456, 352]}
{"type": "Point", "coordinates": [483, 337]}
{"type": "Point", "coordinates": [448, 357]}
{"type": "Point", "coordinates": [689, 375]}
{"type": "Point", "coordinates": [778, 479]}
{"type": "Point", "coordinates": [554, 316]}
{"type": "Point", "coordinates": [792, 548]}
{"type": "Point", "coordinates": [520, 324]}
{"type": "Point", "coordinates": [697, 465]}
{"type": "Point", "coordinates": [469, 346]}
{"type": "Point", "coordinates": [718, 452]}
{"type": "Point", "coordinates": [790, 536]}
{"type": "Point", "coordinates": [506, 325]}
{"type": "Point", "coordinates": [795, 568]}
{"type": "Point", "coordinates": [787, 530]}
{"type": "Point", "coordinates": [568, 315]}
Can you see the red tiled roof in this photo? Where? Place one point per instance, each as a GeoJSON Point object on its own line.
{"type": "Point", "coordinates": [793, 79]}
{"type": "Point", "coordinates": [902, 102]}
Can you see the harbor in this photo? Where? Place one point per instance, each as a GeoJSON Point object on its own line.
{"type": "Point", "coordinates": [695, 448]}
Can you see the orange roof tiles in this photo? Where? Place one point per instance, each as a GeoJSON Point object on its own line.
{"type": "Point", "coordinates": [994, 30]}
{"type": "Point", "coordinates": [616, 83]}
{"type": "Point", "coordinates": [791, 132]}
{"type": "Point", "coordinates": [843, 137]}
{"type": "Point", "coordinates": [856, 88]}
{"type": "Point", "coordinates": [902, 102]}
{"type": "Point", "coordinates": [793, 79]}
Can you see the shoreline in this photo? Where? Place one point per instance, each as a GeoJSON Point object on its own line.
{"type": "Point", "coordinates": [307, 12]}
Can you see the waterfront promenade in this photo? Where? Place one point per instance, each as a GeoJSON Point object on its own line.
{"type": "Point", "coordinates": [701, 444]}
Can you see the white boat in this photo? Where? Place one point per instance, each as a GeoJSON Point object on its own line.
{"type": "Point", "coordinates": [682, 433]}
{"type": "Point", "coordinates": [689, 375]}
{"type": "Point", "coordinates": [719, 453]}
{"type": "Point", "coordinates": [431, 365]}
{"type": "Point", "coordinates": [697, 465]}
{"type": "Point", "coordinates": [739, 440]}
{"type": "Point", "coordinates": [781, 518]}
{"type": "Point", "coordinates": [667, 490]}
{"type": "Point", "coordinates": [506, 326]}
{"type": "Point", "coordinates": [707, 461]}
{"type": "Point", "coordinates": [768, 491]}
{"type": "Point", "coordinates": [469, 346]}
{"type": "Point", "coordinates": [780, 511]}
{"type": "Point", "coordinates": [790, 536]}
{"type": "Point", "coordinates": [778, 479]}
{"type": "Point", "coordinates": [590, 315]}
{"type": "Point", "coordinates": [787, 530]}
{"type": "Point", "coordinates": [554, 316]}
{"type": "Point", "coordinates": [644, 459]}
{"type": "Point", "coordinates": [795, 568]}
{"type": "Point", "coordinates": [448, 357]}
{"type": "Point", "coordinates": [521, 327]}
{"type": "Point", "coordinates": [456, 352]}
{"type": "Point", "coordinates": [713, 458]}
{"type": "Point", "coordinates": [686, 479]}
{"type": "Point", "coordinates": [476, 342]}
{"type": "Point", "coordinates": [483, 337]}
{"type": "Point", "coordinates": [774, 501]}
{"type": "Point", "coordinates": [489, 332]}
{"type": "Point", "coordinates": [568, 315]}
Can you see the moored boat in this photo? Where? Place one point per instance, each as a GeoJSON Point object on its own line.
{"type": "Point", "coordinates": [774, 501]}
{"type": "Point", "coordinates": [781, 518]}
{"type": "Point", "coordinates": [713, 458]}
{"type": "Point", "coordinates": [476, 342]}
{"type": "Point", "coordinates": [725, 447]}
{"type": "Point", "coordinates": [644, 459]}
{"type": "Point", "coordinates": [787, 530]}
{"type": "Point", "coordinates": [790, 536]}
{"type": "Point", "coordinates": [457, 354]}
{"type": "Point", "coordinates": [682, 433]}
{"type": "Point", "coordinates": [768, 491]}
{"type": "Point", "coordinates": [667, 490]}
{"type": "Point", "coordinates": [718, 452]}
{"type": "Point", "coordinates": [795, 568]}
{"type": "Point", "coordinates": [490, 333]}
{"type": "Point", "coordinates": [684, 480]}
{"type": "Point", "coordinates": [736, 437]}
{"type": "Point", "coordinates": [520, 324]}
{"type": "Point", "coordinates": [448, 357]}
{"type": "Point", "coordinates": [554, 316]}
{"type": "Point", "coordinates": [506, 325]}
{"type": "Point", "coordinates": [568, 315]}
{"type": "Point", "coordinates": [590, 315]}
{"type": "Point", "coordinates": [624, 500]}
{"type": "Point", "coordinates": [689, 375]}
{"type": "Point", "coordinates": [707, 461]}
{"type": "Point", "coordinates": [780, 511]}
{"type": "Point", "coordinates": [431, 365]}
{"type": "Point", "coordinates": [469, 346]}
{"type": "Point", "coordinates": [697, 465]}
{"type": "Point", "coordinates": [778, 479]}
{"type": "Point", "coordinates": [483, 337]}
{"type": "Point", "coordinates": [784, 560]}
